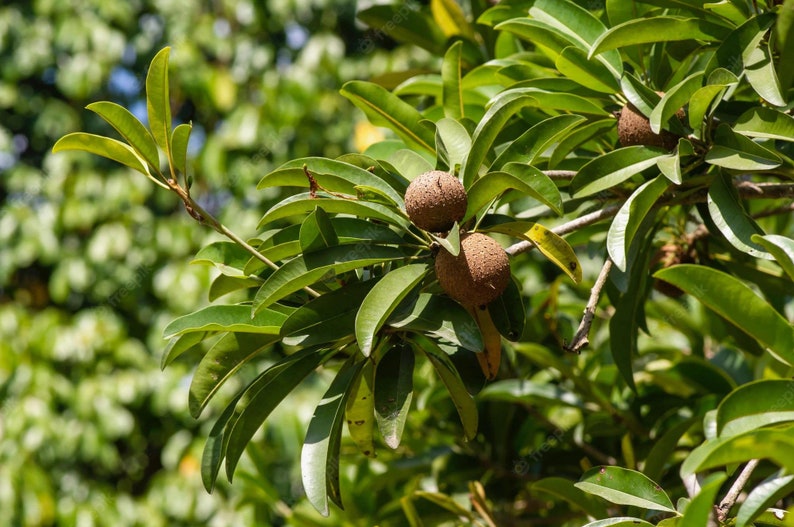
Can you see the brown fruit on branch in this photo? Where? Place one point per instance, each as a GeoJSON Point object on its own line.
{"type": "Point", "coordinates": [478, 275]}
{"type": "Point", "coordinates": [435, 200]}
{"type": "Point", "coordinates": [635, 129]}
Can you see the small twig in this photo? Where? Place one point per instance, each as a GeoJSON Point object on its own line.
{"type": "Point", "coordinates": [730, 498]}
{"type": "Point", "coordinates": [580, 339]}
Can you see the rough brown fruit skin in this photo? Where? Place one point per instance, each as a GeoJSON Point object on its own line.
{"type": "Point", "coordinates": [435, 200]}
{"type": "Point", "coordinates": [635, 129]}
{"type": "Point", "coordinates": [478, 275]}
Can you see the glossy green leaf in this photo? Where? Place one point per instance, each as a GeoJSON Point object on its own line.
{"type": "Point", "coordinates": [112, 149]}
{"type": "Point", "coordinates": [309, 268]}
{"type": "Point", "coordinates": [180, 345]}
{"type": "Point", "coordinates": [538, 33]}
{"type": "Point", "coordinates": [701, 102]}
{"type": "Point", "coordinates": [760, 72]}
{"type": "Point", "coordinates": [675, 99]}
{"type": "Point", "coordinates": [330, 174]}
{"type": "Point", "coordinates": [394, 390]}
{"type": "Point", "coordinates": [220, 363]}
{"type": "Point", "coordinates": [535, 141]}
{"type": "Point", "coordinates": [360, 410]}
{"type": "Point", "coordinates": [226, 318]}
{"type": "Point", "coordinates": [739, 44]}
{"type": "Point", "coordinates": [386, 109]}
{"type": "Point", "coordinates": [763, 496]}
{"type": "Point", "coordinates": [320, 453]}
{"type": "Point", "coordinates": [564, 489]}
{"type": "Point", "coordinates": [554, 98]}
{"type": "Point", "coordinates": [524, 178]}
{"type": "Point", "coordinates": [765, 123]}
{"type": "Point", "coordinates": [327, 318]}
{"type": "Point", "coordinates": [702, 505]}
{"type": "Point", "coordinates": [785, 43]}
{"type": "Point", "coordinates": [224, 284]}
{"type": "Point", "coordinates": [755, 405]}
{"type": "Point", "coordinates": [485, 134]}
{"type": "Point", "coordinates": [670, 165]}
{"type": "Point", "coordinates": [578, 25]}
{"type": "Point", "coordinates": [737, 303]}
{"type": "Point", "coordinates": [317, 232]}
{"type": "Point", "coordinates": [780, 247]}
{"type": "Point", "coordinates": [638, 94]}
{"type": "Point", "coordinates": [775, 444]}
{"type": "Point", "coordinates": [658, 29]}
{"type": "Point", "coordinates": [215, 447]}
{"type": "Point", "coordinates": [730, 217]}
{"type": "Point", "coordinates": [262, 396]}
{"type": "Point", "coordinates": [625, 487]}
{"type": "Point", "coordinates": [452, 98]}
{"type": "Point", "coordinates": [304, 202]}
{"type": "Point", "coordinates": [158, 103]}
{"type": "Point", "coordinates": [524, 390]}
{"type": "Point", "coordinates": [591, 73]}
{"type": "Point", "coordinates": [440, 317]}
{"type": "Point", "coordinates": [382, 300]}
{"type": "Point", "coordinates": [130, 128]}
{"type": "Point", "coordinates": [464, 403]}
{"type": "Point", "coordinates": [578, 137]}
{"type": "Point", "coordinates": [228, 257]}
{"type": "Point", "coordinates": [629, 218]}
{"type": "Point", "coordinates": [508, 312]}
{"type": "Point", "coordinates": [406, 25]}
{"type": "Point", "coordinates": [452, 142]}
{"type": "Point", "coordinates": [622, 521]}
{"type": "Point", "coordinates": [410, 164]}
{"type": "Point", "coordinates": [551, 245]}
{"type": "Point", "coordinates": [613, 168]}
{"type": "Point", "coordinates": [179, 142]}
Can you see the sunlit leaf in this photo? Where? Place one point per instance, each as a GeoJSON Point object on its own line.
{"type": "Point", "coordinates": [574, 63]}
{"type": "Point", "coordinates": [762, 76]}
{"type": "Point", "coordinates": [613, 168]}
{"type": "Point", "coordinates": [452, 98]}
{"type": "Point", "coordinates": [732, 220]}
{"type": "Point", "coordinates": [452, 142]}
{"type": "Point", "coordinates": [675, 99]}
{"type": "Point", "coordinates": [158, 104]}
{"type": "Point", "coordinates": [754, 405]}
{"type": "Point", "coordinates": [179, 143]}
{"type": "Point", "coordinates": [625, 487]}
{"type": "Point", "coordinates": [112, 149]}
{"type": "Point", "coordinates": [414, 27]}
{"type": "Point", "coordinates": [702, 505]}
{"type": "Point", "coordinates": [535, 141]}
{"type": "Point", "coordinates": [226, 318]}
{"type": "Point", "coordinates": [763, 496]}
{"type": "Point", "coordinates": [180, 345]}
{"type": "Point", "coordinates": [317, 232]}
{"type": "Point", "coordinates": [659, 28]}
{"type": "Point", "coordinates": [765, 123]}
{"type": "Point", "coordinates": [521, 177]}
{"type": "Point", "coordinates": [360, 410]}
{"type": "Point", "coordinates": [130, 128]}
{"type": "Point", "coordinates": [304, 202]}
{"type": "Point", "coordinates": [780, 247]}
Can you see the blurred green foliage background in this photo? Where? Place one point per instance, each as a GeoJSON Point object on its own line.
{"type": "Point", "coordinates": [94, 261]}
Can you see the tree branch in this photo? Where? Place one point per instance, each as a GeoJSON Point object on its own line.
{"type": "Point", "coordinates": [733, 494]}
{"type": "Point", "coordinates": [580, 339]}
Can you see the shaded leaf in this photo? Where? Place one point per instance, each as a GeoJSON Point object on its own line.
{"type": "Point", "coordinates": [765, 123]}
{"type": "Point", "coordinates": [625, 487]}
{"type": "Point", "coordinates": [317, 232]}
{"type": "Point", "coordinates": [702, 505]}
{"type": "Point", "coordinates": [535, 141]}
{"type": "Point", "coordinates": [440, 317]}
{"type": "Point", "coordinates": [228, 257]}
{"type": "Point", "coordinates": [382, 300]}
{"type": "Point", "coordinates": [780, 247]}
{"type": "Point", "coordinates": [775, 444]}
{"type": "Point", "coordinates": [737, 303]}
{"type": "Point", "coordinates": [524, 391]}
{"type": "Point", "coordinates": [763, 496]}
{"type": "Point", "coordinates": [180, 345]}
{"type": "Point", "coordinates": [673, 100]}
{"type": "Point", "coordinates": [619, 522]}
{"type": "Point", "coordinates": [508, 312]}
{"type": "Point", "coordinates": [360, 410]}
{"type": "Point", "coordinates": [394, 389]}
{"type": "Point", "coordinates": [728, 214]}
{"type": "Point", "coordinates": [215, 447]}
{"type": "Point", "coordinates": [574, 63]}
{"type": "Point", "coordinates": [304, 202]}
{"type": "Point", "coordinates": [565, 489]}
{"type": "Point", "coordinates": [405, 24]}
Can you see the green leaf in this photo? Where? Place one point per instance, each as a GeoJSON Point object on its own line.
{"type": "Point", "coordinates": [664, 447]}
{"type": "Point", "coordinates": [485, 134]}
{"type": "Point", "coordinates": [755, 405]}
{"type": "Point", "coordinates": [130, 128]}
{"type": "Point", "coordinates": [657, 29]}
{"type": "Point", "coordinates": [442, 318]}
{"type": "Point", "coordinates": [382, 300]}
{"type": "Point", "coordinates": [228, 257]}
{"type": "Point", "coordinates": [225, 358]}
{"type": "Point", "coordinates": [632, 213]}
{"type": "Point", "coordinates": [452, 97]}
{"type": "Point", "coordinates": [317, 232]}
{"type": "Point", "coordinates": [508, 313]}
{"type": "Point", "coordinates": [737, 152]}
{"type": "Point", "coordinates": [591, 73]}
{"type": "Point", "coordinates": [320, 453]}
{"type": "Point", "coordinates": [675, 99]}
{"type": "Point", "coordinates": [309, 268]}
{"type": "Point", "coordinates": [737, 303]}
{"type": "Point", "coordinates": [625, 487]}
{"type": "Point", "coordinates": [304, 202]}
{"type": "Point", "coordinates": [262, 396]}
{"type": "Point", "coordinates": [785, 43]}
{"type": "Point", "coordinates": [452, 142]}
{"type": "Point", "coordinates": [578, 137]}
{"type": "Point", "coordinates": [551, 245]}
{"type": "Point", "coordinates": [360, 410]}
{"type": "Point", "coordinates": [410, 164]}
{"type": "Point", "coordinates": [552, 40]}
{"type": "Point", "coordinates": [521, 177]}
{"type": "Point", "coordinates": [537, 140]}
{"type": "Point", "coordinates": [613, 168]}
{"type": "Point", "coordinates": [332, 175]}
{"type": "Point", "coordinates": [405, 24]}
{"type": "Point", "coordinates": [763, 496]}
{"type": "Point", "coordinates": [728, 214]}
{"type": "Point", "coordinates": [464, 402]}
{"type": "Point", "coordinates": [158, 104]}
{"type": "Point", "coordinates": [226, 318]}
{"type": "Point", "coordinates": [762, 76]}
{"type": "Point", "coordinates": [224, 284]}
{"type": "Point", "coordinates": [565, 489]}
{"type": "Point", "coordinates": [619, 522]}
{"type": "Point", "coordinates": [765, 123]}
{"type": "Point", "coordinates": [555, 98]}
{"type": "Point", "coordinates": [112, 149]}
{"type": "Point", "coordinates": [215, 447]}
{"type": "Point", "coordinates": [781, 248]}
{"type": "Point", "coordinates": [180, 345]}
{"type": "Point", "coordinates": [386, 109]}
{"type": "Point", "coordinates": [775, 444]}
{"type": "Point", "coordinates": [700, 103]}
{"type": "Point", "coordinates": [394, 389]}
{"type": "Point", "coordinates": [450, 18]}
{"type": "Point", "coordinates": [524, 391]}
{"type": "Point", "coordinates": [179, 142]}
{"type": "Point", "coordinates": [700, 508]}
{"type": "Point", "coordinates": [327, 318]}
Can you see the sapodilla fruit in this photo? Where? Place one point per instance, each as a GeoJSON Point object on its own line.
{"type": "Point", "coordinates": [478, 275]}
{"type": "Point", "coordinates": [435, 200]}
{"type": "Point", "coordinates": [635, 129]}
